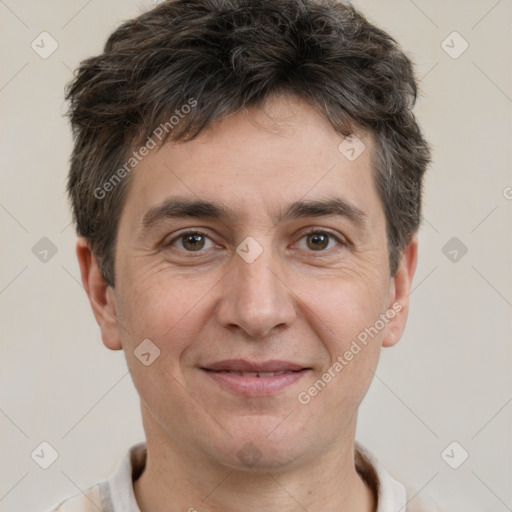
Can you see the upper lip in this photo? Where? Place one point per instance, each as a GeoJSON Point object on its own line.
{"type": "Point", "coordinates": [242, 365]}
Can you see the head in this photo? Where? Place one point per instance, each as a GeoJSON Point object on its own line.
{"type": "Point", "coordinates": [272, 118]}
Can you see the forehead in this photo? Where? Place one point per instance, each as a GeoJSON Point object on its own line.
{"type": "Point", "coordinates": [257, 162]}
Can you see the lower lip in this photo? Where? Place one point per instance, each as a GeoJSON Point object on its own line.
{"type": "Point", "coordinates": [255, 386]}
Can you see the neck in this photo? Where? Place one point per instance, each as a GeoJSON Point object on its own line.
{"type": "Point", "coordinates": [177, 480]}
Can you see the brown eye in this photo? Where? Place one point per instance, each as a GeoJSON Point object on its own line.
{"type": "Point", "coordinates": [320, 241]}
{"type": "Point", "coordinates": [317, 241]}
{"type": "Point", "coordinates": [191, 241]}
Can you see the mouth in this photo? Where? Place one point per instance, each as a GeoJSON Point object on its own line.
{"type": "Point", "coordinates": [252, 379]}
{"type": "Point", "coordinates": [254, 374]}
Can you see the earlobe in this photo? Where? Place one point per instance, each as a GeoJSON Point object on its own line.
{"type": "Point", "coordinates": [400, 287]}
{"type": "Point", "coordinates": [101, 296]}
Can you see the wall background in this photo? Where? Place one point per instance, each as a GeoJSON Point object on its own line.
{"type": "Point", "coordinates": [447, 380]}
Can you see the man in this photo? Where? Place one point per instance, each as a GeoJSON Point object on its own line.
{"type": "Point", "coordinates": [246, 184]}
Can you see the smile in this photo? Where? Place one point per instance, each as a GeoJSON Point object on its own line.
{"type": "Point", "coordinates": [254, 374]}
{"type": "Point", "coordinates": [255, 384]}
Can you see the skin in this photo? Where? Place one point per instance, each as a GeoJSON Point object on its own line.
{"type": "Point", "coordinates": [297, 302]}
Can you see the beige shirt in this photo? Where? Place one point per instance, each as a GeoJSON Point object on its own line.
{"type": "Point", "coordinates": [116, 494]}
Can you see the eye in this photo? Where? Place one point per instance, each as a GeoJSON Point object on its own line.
{"type": "Point", "coordinates": [318, 240]}
{"type": "Point", "coordinates": [190, 241]}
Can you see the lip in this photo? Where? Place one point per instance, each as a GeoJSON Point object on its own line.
{"type": "Point", "coordinates": [242, 365]}
{"type": "Point", "coordinates": [250, 386]}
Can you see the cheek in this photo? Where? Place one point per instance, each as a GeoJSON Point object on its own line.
{"type": "Point", "coordinates": [348, 320]}
{"type": "Point", "coordinates": [161, 309]}
{"type": "Point", "coordinates": [348, 304]}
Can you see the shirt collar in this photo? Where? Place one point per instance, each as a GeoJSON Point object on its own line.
{"type": "Point", "coordinates": [118, 495]}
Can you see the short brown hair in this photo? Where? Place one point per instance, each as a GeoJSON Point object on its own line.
{"type": "Point", "coordinates": [226, 55]}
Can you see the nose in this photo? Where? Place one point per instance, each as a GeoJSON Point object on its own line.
{"type": "Point", "coordinates": [255, 296]}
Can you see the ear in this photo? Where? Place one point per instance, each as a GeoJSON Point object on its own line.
{"type": "Point", "coordinates": [101, 296]}
{"type": "Point", "coordinates": [399, 289]}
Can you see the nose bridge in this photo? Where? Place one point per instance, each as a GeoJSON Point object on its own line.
{"type": "Point", "coordinates": [256, 299]}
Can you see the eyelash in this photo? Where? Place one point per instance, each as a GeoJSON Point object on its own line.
{"type": "Point", "coordinates": [310, 231]}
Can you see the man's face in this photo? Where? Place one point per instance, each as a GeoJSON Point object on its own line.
{"type": "Point", "coordinates": [254, 287]}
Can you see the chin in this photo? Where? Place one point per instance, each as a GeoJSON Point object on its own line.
{"type": "Point", "coordinates": [260, 453]}
{"type": "Point", "coordinates": [260, 459]}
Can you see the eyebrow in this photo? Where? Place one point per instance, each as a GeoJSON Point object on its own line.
{"type": "Point", "coordinates": [175, 208]}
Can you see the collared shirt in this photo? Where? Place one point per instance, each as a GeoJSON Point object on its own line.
{"type": "Point", "coordinates": [116, 494]}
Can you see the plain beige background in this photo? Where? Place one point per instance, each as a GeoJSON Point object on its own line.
{"type": "Point", "coordinates": [447, 380]}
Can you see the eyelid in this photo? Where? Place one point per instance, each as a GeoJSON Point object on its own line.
{"type": "Point", "coordinates": [176, 237]}
{"type": "Point", "coordinates": [333, 234]}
